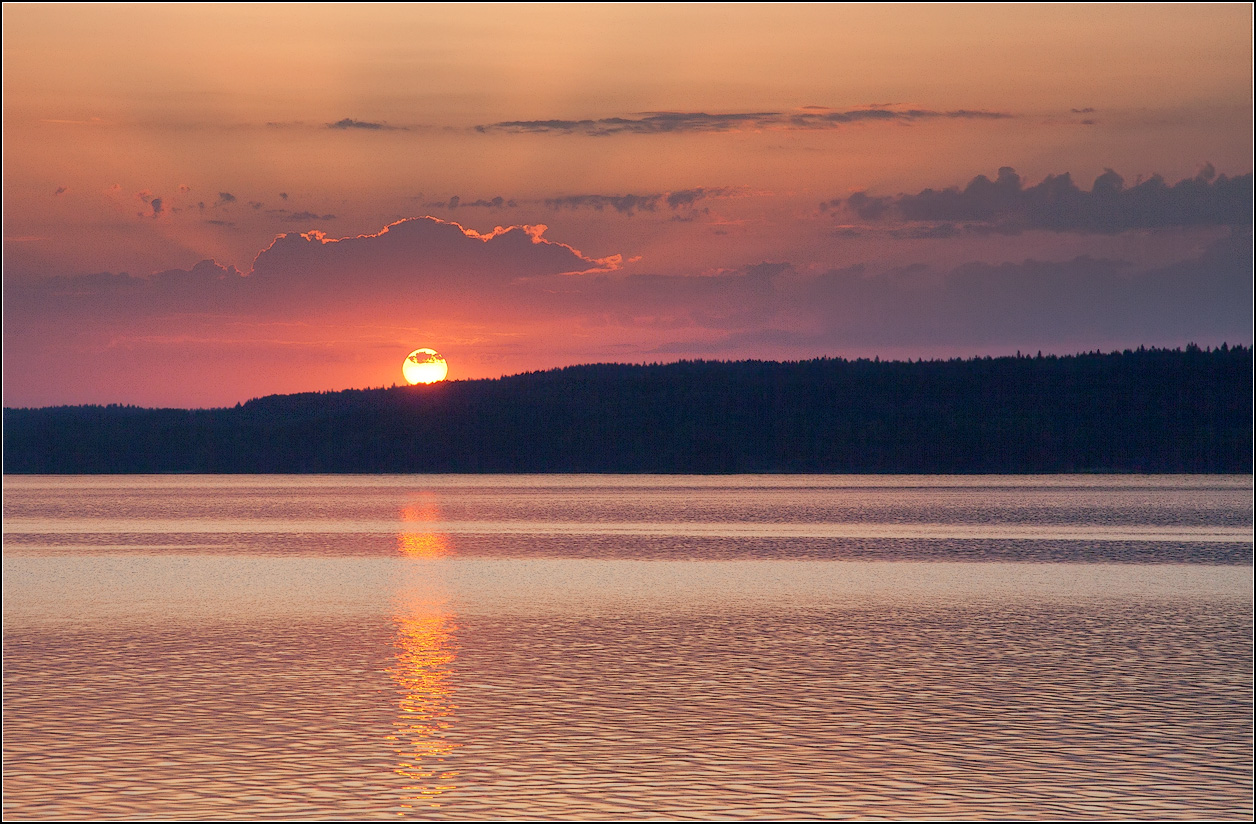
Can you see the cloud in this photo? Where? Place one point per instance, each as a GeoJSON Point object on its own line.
{"type": "Point", "coordinates": [820, 120]}
{"type": "Point", "coordinates": [409, 263]}
{"type": "Point", "coordinates": [688, 197]}
{"type": "Point", "coordinates": [61, 190]}
{"type": "Point", "coordinates": [412, 263]}
{"type": "Point", "coordinates": [153, 202]}
{"type": "Point", "coordinates": [1082, 300]}
{"type": "Point", "coordinates": [810, 117]}
{"type": "Point", "coordinates": [926, 232]}
{"type": "Point", "coordinates": [1060, 306]}
{"type": "Point", "coordinates": [867, 207]}
{"type": "Point", "coordinates": [456, 202]}
{"type": "Point", "coordinates": [734, 299]}
{"type": "Point", "coordinates": [352, 300]}
{"type": "Point", "coordinates": [226, 197]}
{"type": "Point", "coordinates": [624, 204]}
{"type": "Point", "coordinates": [424, 268]}
{"type": "Point", "coordinates": [300, 217]}
{"type": "Point", "coordinates": [512, 293]}
{"type": "Point", "coordinates": [1005, 204]}
{"type": "Point", "coordinates": [629, 204]}
{"type": "Point", "coordinates": [349, 123]}
{"type": "Point", "coordinates": [85, 300]}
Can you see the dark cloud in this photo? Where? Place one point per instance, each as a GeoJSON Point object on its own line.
{"type": "Point", "coordinates": [1063, 306]}
{"type": "Point", "coordinates": [413, 268]}
{"type": "Point", "coordinates": [83, 300]}
{"type": "Point", "coordinates": [811, 117]}
{"type": "Point", "coordinates": [1087, 110]}
{"type": "Point", "coordinates": [653, 123]}
{"type": "Point", "coordinates": [283, 195]}
{"type": "Point", "coordinates": [1080, 300]}
{"type": "Point", "coordinates": [61, 190]}
{"type": "Point", "coordinates": [350, 123]}
{"type": "Point", "coordinates": [157, 206]}
{"type": "Point", "coordinates": [866, 206]}
{"type": "Point", "coordinates": [456, 202]}
{"type": "Point", "coordinates": [735, 299]}
{"type": "Point", "coordinates": [624, 204]}
{"type": "Point", "coordinates": [927, 232]}
{"type": "Point", "coordinates": [225, 223]}
{"type": "Point", "coordinates": [631, 203]}
{"type": "Point", "coordinates": [300, 217]}
{"type": "Point", "coordinates": [226, 197]}
{"type": "Point", "coordinates": [688, 197]}
{"type": "Point", "coordinates": [417, 258]}
{"type": "Point", "coordinates": [1006, 205]}
{"type": "Point", "coordinates": [829, 119]}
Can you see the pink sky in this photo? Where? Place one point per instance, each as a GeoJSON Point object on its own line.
{"type": "Point", "coordinates": [204, 204]}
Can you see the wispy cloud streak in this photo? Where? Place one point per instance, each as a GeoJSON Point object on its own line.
{"type": "Point", "coordinates": [683, 122]}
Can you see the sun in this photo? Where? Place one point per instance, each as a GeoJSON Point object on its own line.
{"type": "Point", "coordinates": [424, 366]}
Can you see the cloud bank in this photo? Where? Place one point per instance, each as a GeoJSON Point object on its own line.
{"type": "Point", "coordinates": [312, 305]}
{"type": "Point", "coordinates": [1007, 205]}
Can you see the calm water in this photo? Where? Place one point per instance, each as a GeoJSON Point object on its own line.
{"type": "Point", "coordinates": [635, 646]}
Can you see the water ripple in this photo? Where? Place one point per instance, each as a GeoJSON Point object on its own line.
{"type": "Point", "coordinates": [1114, 709]}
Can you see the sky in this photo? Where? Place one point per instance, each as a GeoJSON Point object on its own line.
{"type": "Point", "coordinates": [209, 203]}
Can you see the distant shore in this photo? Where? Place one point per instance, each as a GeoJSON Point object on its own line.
{"type": "Point", "coordinates": [1149, 411]}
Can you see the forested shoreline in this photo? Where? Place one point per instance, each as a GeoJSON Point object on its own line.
{"type": "Point", "coordinates": [1150, 410]}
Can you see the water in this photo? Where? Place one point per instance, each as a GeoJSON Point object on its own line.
{"type": "Point", "coordinates": [631, 646]}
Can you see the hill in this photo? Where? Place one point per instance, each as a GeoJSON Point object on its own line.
{"type": "Point", "coordinates": [1151, 410]}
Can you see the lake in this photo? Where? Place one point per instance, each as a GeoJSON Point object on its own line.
{"type": "Point", "coordinates": [589, 646]}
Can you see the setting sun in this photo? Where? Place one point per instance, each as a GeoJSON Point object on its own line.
{"type": "Point", "coordinates": [424, 366]}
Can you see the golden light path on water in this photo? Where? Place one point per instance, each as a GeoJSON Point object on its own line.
{"type": "Point", "coordinates": [426, 649]}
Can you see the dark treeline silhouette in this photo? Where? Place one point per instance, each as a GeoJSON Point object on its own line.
{"type": "Point", "coordinates": [1151, 410]}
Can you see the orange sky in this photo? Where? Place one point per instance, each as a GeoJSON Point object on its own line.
{"type": "Point", "coordinates": [696, 163]}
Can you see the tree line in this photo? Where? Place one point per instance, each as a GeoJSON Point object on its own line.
{"type": "Point", "coordinates": [1149, 410]}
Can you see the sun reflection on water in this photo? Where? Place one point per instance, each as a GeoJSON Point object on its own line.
{"type": "Point", "coordinates": [426, 650]}
{"type": "Point", "coordinates": [420, 544]}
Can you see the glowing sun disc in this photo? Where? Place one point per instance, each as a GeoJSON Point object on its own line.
{"type": "Point", "coordinates": [424, 366]}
